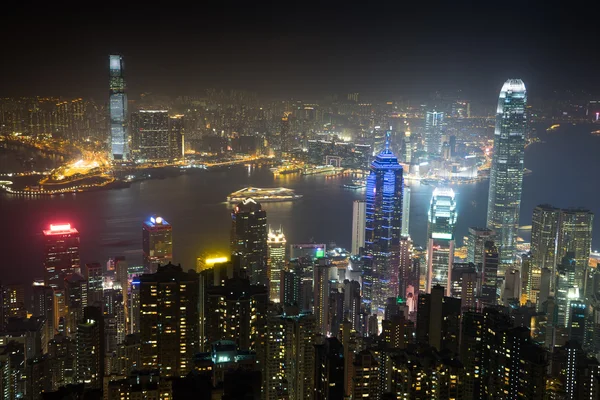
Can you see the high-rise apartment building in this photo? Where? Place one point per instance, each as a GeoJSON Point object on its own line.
{"type": "Point", "coordinates": [157, 243]}
{"type": "Point", "coordinates": [119, 135]}
{"type": "Point", "coordinates": [169, 323]}
{"type": "Point", "coordinates": [383, 223]}
{"type": "Point", "coordinates": [358, 225]}
{"type": "Point", "coordinates": [89, 357]}
{"type": "Point", "coordinates": [489, 273]}
{"type": "Point", "coordinates": [544, 236]}
{"type": "Point", "coordinates": [321, 295]}
{"type": "Point", "coordinates": [61, 255]}
{"type": "Point", "coordinates": [440, 246]}
{"type": "Point", "coordinates": [249, 239]}
{"type": "Point", "coordinates": [275, 262]}
{"type": "Point", "coordinates": [153, 134]}
{"type": "Point", "coordinates": [506, 173]}
{"type": "Point", "coordinates": [433, 132]}
{"type": "Point", "coordinates": [95, 280]}
{"type": "Point", "coordinates": [176, 137]}
{"type": "Point", "coordinates": [438, 320]}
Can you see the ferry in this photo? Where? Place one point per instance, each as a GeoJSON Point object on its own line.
{"type": "Point", "coordinates": [320, 169]}
{"type": "Point", "coordinates": [553, 128]}
{"type": "Point", "coordinates": [356, 184]}
{"type": "Point", "coordinates": [263, 195]}
{"type": "Point", "coordinates": [596, 132]}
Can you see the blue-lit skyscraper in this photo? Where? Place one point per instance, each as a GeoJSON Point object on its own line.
{"type": "Point", "coordinates": [440, 238]}
{"type": "Point", "coordinates": [119, 136]}
{"type": "Point", "coordinates": [383, 224]}
{"type": "Point", "coordinates": [506, 173]}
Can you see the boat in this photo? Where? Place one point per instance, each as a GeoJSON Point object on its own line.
{"type": "Point", "coordinates": [553, 128]}
{"type": "Point", "coordinates": [320, 169]}
{"type": "Point", "coordinates": [263, 195]}
{"type": "Point", "coordinates": [356, 184]}
{"type": "Point", "coordinates": [596, 132]}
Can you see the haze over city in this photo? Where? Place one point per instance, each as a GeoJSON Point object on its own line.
{"type": "Point", "coordinates": [300, 201]}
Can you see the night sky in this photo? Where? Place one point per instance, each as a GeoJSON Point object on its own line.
{"type": "Point", "coordinates": [289, 49]}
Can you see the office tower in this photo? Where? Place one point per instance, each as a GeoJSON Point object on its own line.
{"type": "Point", "coordinates": [359, 209]}
{"type": "Point", "coordinates": [329, 370]}
{"type": "Point", "coordinates": [153, 135]}
{"type": "Point", "coordinates": [290, 356]}
{"type": "Point", "coordinates": [438, 320]}
{"type": "Point", "coordinates": [157, 243]}
{"type": "Point", "coordinates": [511, 287]}
{"type": "Point", "coordinates": [566, 290]}
{"type": "Point", "coordinates": [13, 302]}
{"type": "Point", "coordinates": [544, 231]}
{"type": "Point", "coordinates": [236, 311]}
{"type": "Point", "coordinates": [290, 288]}
{"type": "Point", "coordinates": [352, 304]}
{"type": "Point", "coordinates": [506, 173]}
{"type": "Point", "coordinates": [575, 236]}
{"type": "Point", "coordinates": [249, 239]}
{"type": "Point", "coordinates": [440, 247]}
{"type": "Point", "coordinates": [61, 255]}
{"type": "Point", "coordinates": [176, 137]}
{"type": "Point", "coordinates": [475, 247]}
{"type": "Point", "coordinates": [433, 132]}
{"type": "Point", "coordinates": [383, 226]}
{"type": "Point", "coordinates": [94, 283]}
{"type": "Point", "coordinates": [89, 356]}
{"type": "Point", "coordinates": [469, 290]}
{"type": "Point", "coordinates": [169, 320]}
{"type": "Point", "coordinates": [276, 246]}
{"type": "Point", "coordinates": [489, 273]}
{"type": "Point", "coordinates": [321, 296]}
{"type": "Point", "coordinates": [43, 306]}
{"type": "Point", "coordinates": [578, 320]}
{"type": "Point", "coordinates": [76, 300]}
{"type": "Point", "coordinates": [405, 275]}
{"type": "Point", "coordinates": [119, 135]}
{"type": "Point", "coordinates": [405, 212]}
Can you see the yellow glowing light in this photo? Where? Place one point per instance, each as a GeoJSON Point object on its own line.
{"type": "Point", "coordinates": [216, 260]}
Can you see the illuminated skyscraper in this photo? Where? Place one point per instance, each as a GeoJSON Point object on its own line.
{"type": "Point", "coordinates": [544, 230]}
{"type": "Point", "coordinates": [157, 243]}
{"type": "Point", "coordinates": [61, 256]}
{"type": "Point", "coordinates": [275, 262]}
{"type": "Point", "coordinates": [433, 132]}
{"type": "Point", "coordinates": [119, 135]}
{"type": "Point", "coordinates": [440, 247]}
{"type": "Point", "coordinates": [575, 236]}
{"type": "Point", "coordinates": [477, 239]}
{"type": "Point", "coordinates": [249, 239]}
{"type": "Point", "coordinates": [358, 225]}
{"type": "Point", "coordinates": [153, 134]}
{"type": "Point", "coordinates": [321, 295]}
{"type": "Point", "coordinates": [383, 226]}
{"type": "Point", "coordinates": [405, 212]}
{"type": "Point", "coordinates": [169, 320]}
{"type": "Point", "coordinates": [176, 137]}
{"type": "Point", "coordinates": [506, 173]}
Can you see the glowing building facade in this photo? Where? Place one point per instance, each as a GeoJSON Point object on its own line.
{"type": "Point", "coordinates": [249, 239]}
{"type": "Point", "coordinates": [157, 243]}
{"type": "Point", "coordinates": [275, 262]}
{"type": "Point", "coordinates": [506, 173]}
{"type": "Point", "coordinates": [61, 256]}
{"type": "Point", "coordinates": [440, 246]}
{"type": "Point", "coordinates": [383, 224]}
{"type": "Point", "coordinates": [119, 136]}
{"type": "Point", "coordinates": [433, 132]}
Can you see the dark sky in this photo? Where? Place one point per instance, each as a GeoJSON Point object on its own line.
{"type": "Point", "coordinates": [300, 48]}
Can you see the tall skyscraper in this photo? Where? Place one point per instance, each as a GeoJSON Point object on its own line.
{"type": "Point", "coordinates": [249, 239]}
{"type": "Point", "coordinates": [275, 262]}
{"type": "Point", "coordinates": [383, 222]}
{"type": "Point", "coordinates": [544, 231]}
{"type": "Point", "coordinates": [94, 284]}
{"type": "Point", "coordinates": [153, 135]}
{"type": "Point", "coordinates": [169, 323]}
{"type": "Point", "coordinates": [61, 256]}
{"type": "Point", "coordinates": [119, 135]}
{"type": "Point", "coordinates": [176, 137]}
{"type": "Point", "coordinates": [489, 273]}
{"type": "Point", "coordinates": [359, 209]}
{"type": "Point", "coordinates": [477, 239]}
{"type": "Point", "coordinates": [440, 246]}
{"type": "Point", "coordinates": [157, 243]}
{"type": "Point", "coordinates": [405, 212]}
{"type": "Point", "coordinates": [321, 295]}
{"type": "Point", "coordinates": [575, 236]}
{"type": "Point", "coordinates": [506, 173]}
{"type": "Point", "coordinates": [433, 132]}
{"type": "Point", "coordinates": [90, 348]}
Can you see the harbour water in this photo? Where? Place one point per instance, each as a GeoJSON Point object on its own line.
{"type": "Point", "coordinates": [565, 173]}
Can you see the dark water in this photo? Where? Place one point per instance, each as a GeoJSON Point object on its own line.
{"type": "Point", "coordinates": [565, 173]}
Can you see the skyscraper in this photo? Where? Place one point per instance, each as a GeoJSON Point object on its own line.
{"type": "Point", "coordinates": [358, 225]}
{"type": "Point", "coordinates": [321, 295]}
{"type": "Point", "coordinates": [506, 173]}
{"type": "Point", "coordinates": [575, 236]}
{"type": "Point", "coordinates": [440, 246]}
{"type": "Point", "coordinates": [90, 348]}
{"type": "Point", "coordinates": [176, 136]}
{"type": "Point", "coordinates": [153, 135]}
{"type": "Point", "coordinates": [249, 239]}
{"type": "Point", "coordinates": [275, 262]}
{"type": "Point", "coordinates": [489, 273]}
{"type": "Point", "coordinates": [119, 135]}
{"type": "Point", "coordinates": [433, 132]}
{"type": "Point", "coordinates": [157, 243]}
{"type": "Point", "coordinates": [61, 256]}
{"type": "Point", "coordinates": [477, 239]}
{"type": "Point", "coordinates": [405, 212]}
{"type": "Point", "coordinates": [383, 223]}
{"type": "Point", "coordinates": [169, 320]}
{"type": "Point", "coordinates": [544, 231]}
